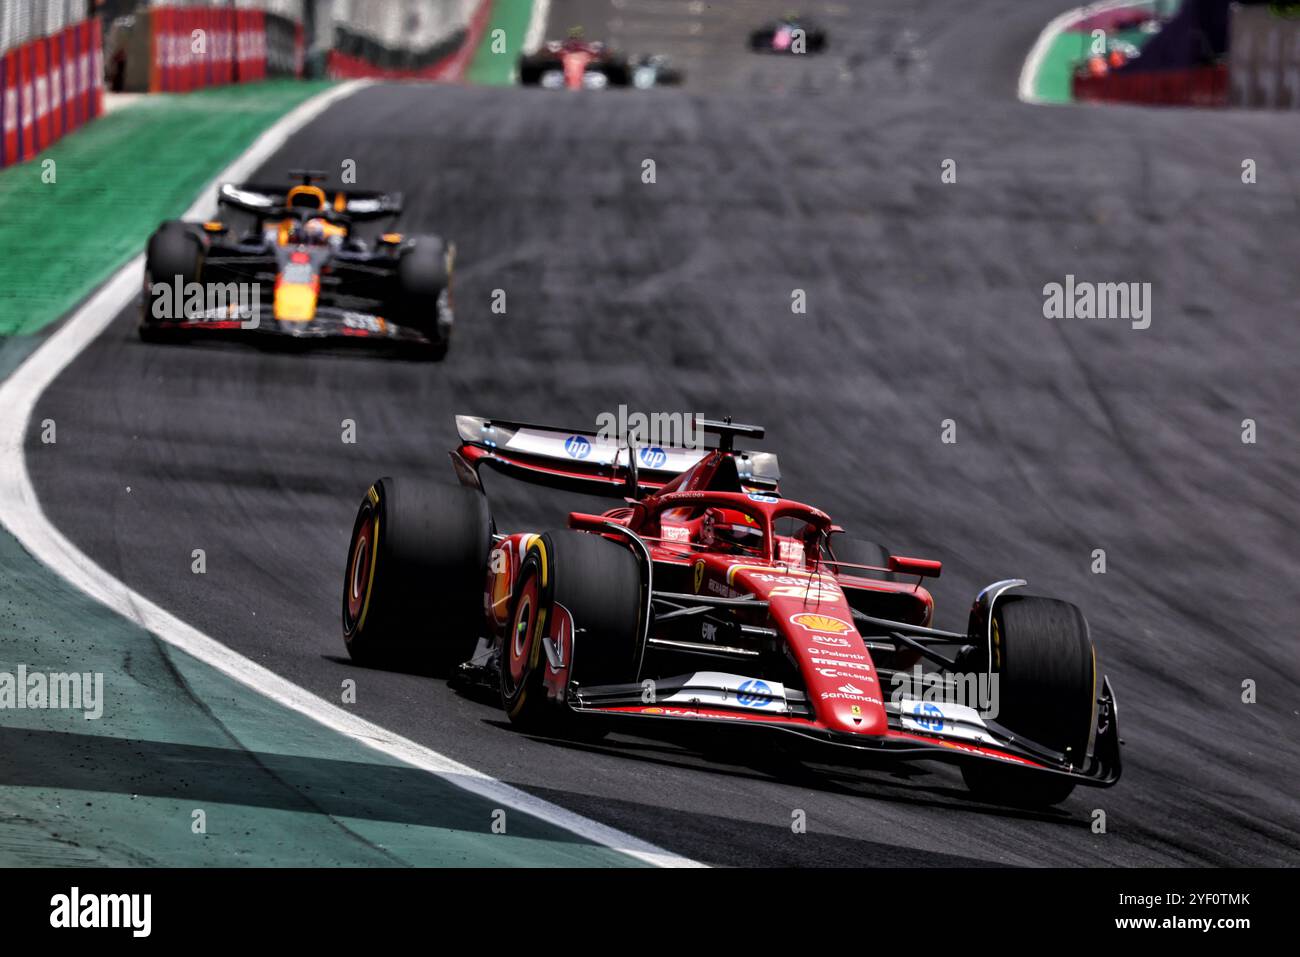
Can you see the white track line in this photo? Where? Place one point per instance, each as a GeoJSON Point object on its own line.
{"type": "Point", "coordinates": [1038, 52]}
{"type": "Point", "coordinates": [537, 25]}
{"type": "Point", "coordinates": [20, 512]}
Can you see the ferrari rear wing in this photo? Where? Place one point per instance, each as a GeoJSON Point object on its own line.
{"type": "Point", "coordinates": [594, 464]}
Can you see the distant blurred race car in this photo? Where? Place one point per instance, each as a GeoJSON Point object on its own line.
{"type": "Point", "coordinates": [298, 252]}
{"type": "Point", "coordinates": [1117, 54]}
{"type": "Point", "coordinates": [654, 70]}
{"type": "Point", "coordinates": [788, 35]}
{"type": "Point", "coordinates": [574, 64]}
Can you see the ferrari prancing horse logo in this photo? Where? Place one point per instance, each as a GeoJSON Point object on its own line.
{"type": "Point", "coordinates": [699, 575]}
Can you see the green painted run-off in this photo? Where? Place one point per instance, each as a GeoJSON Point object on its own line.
{"type": "Point", "coordinates": [186, 767]}
{"type": "Point", "coordinates": [113, 182]}
{"type": "Point", "coordinates": [494, 61]}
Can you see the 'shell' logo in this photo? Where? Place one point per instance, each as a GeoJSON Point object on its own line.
{"type": "Point", "coordinates": [825, 624]}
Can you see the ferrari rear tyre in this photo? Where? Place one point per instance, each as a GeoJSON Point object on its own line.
{"type": "Point", "coordinates": [598, 583]}
{"type": "Point", "coordinates": [1047, 692]}
{"type": "Point", "coordinates": [413, 585]}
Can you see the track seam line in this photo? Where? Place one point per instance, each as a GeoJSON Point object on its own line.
{"type": "Point", "coordinates": [21, 514]}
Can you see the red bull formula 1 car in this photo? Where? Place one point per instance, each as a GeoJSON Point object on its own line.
{"type": "Point", "coordinates": [708, 599]}
{"type": "Point", "coordinates": [291, 263]}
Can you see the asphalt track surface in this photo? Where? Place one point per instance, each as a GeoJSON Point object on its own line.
{"type": "Point", "coordinates": [924, 304]}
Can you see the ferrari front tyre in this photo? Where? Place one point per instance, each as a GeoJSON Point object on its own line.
{"type": "Point", "coordinates": [413, 584]}
{"type": "Point", "coordinates": [1047, 682]}
{"type": "Point", "coordinates": [598, 583]}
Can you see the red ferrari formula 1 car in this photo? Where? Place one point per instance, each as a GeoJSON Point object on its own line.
{"type": "Point", "coordinates": [707, 598]}
{"type": "Point", "coordinates": [575, 64]}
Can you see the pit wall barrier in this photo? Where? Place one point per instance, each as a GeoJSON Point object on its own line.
{"type": "Point", "coordinates": [355, 54]}
{"type": "Point", "coordinates": [49, 86]}
{"type": "Point", "coordinates": [1193, 86]}
{"type": "Point", "coordinates": [1264, 60]}
{"type": "Point", "coordinates": [195, 47]}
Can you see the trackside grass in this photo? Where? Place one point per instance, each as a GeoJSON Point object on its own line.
{"type": "Point", "coordinates": [73, 215]}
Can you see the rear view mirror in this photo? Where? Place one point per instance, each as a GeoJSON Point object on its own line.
{"type": "Point", "coordinates": [915, 566]}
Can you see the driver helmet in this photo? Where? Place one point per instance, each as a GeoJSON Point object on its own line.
{"type": "Point", "coordinates": [313, 232]}
{"type": "Point", "coordinates": [729, 527]}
